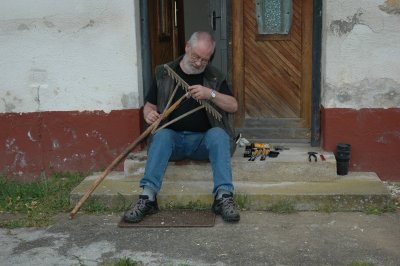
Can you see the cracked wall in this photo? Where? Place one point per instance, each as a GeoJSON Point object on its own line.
{"type": "Point", "coordinates": [68, 56]}
{"type": "Point", "coordinates": [360, 63]}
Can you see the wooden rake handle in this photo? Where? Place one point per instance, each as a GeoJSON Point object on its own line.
{"type": "Point", "coordinates": [117, 160]}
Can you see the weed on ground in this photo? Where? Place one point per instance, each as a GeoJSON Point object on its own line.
{"type": "Point", "coordinates": [33, 204]}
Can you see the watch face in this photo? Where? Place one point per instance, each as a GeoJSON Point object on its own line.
{"type": "Point", "coordinates": [213, 94]}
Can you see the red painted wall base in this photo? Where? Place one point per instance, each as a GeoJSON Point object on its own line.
{"type": "Point", "coordinates": [33, 144]}
{"type": "Point", "coordinates": [374, 135]}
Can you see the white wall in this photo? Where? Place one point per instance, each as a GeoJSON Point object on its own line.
{"type": "Point", "coordinates": [70, 55]}
{"type": "Point", "coordinates": [361, 47]}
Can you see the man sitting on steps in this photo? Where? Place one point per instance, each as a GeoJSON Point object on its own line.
{"type": "Point", "coordinates": [198, 136]}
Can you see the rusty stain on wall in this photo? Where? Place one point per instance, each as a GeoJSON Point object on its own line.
{"type": "Point", "coordinates": [391, 7]}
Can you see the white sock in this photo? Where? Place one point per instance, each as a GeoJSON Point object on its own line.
{"type": "Point", "coordinates": [149, 192]}
{"type": "Point", "coordinates": [221, 192]}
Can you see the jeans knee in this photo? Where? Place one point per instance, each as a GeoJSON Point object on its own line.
{"type": "Point", "coordinates": [217, 135]}
{"type": "Point", "coordinates": [163, 136]}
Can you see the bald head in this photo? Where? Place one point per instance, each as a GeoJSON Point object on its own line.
{"type": "Point", "coordinates": [202, 39]}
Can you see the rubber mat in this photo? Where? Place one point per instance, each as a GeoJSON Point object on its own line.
{"type": "Point", "coordinates": [175, 218]}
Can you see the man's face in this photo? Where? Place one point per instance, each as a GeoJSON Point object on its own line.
{"type": "Point", "coordinates": [196, 58]}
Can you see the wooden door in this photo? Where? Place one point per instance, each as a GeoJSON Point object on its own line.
{"type": "Point", "coordinates": [166, 30]}
{"type": "Point", "coordinates": [272, 75]}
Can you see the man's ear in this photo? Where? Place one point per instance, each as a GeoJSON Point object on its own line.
{"type": "Point", "coordinates": [187, 47]}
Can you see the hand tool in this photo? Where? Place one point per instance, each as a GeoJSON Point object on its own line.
{"type": "Point", "coordinates": [273, 154]}
{"type": "Point", "coordinates": [312, 154]}
{"type": "Point", "coordinates": [265, 152]}
{"type": "Point", "coordinates": [256, 153]}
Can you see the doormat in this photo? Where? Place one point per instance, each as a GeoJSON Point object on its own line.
{"type": "Point", "coordinates": [175, 218]}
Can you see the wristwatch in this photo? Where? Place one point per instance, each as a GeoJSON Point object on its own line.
{"type": "Point", "coordinates": [213, 94]}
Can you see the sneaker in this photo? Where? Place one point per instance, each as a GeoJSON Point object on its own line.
{"type": "Point", "coordinates": [225, 206]}
{"type": "Point", "coordinates": [141, 208]}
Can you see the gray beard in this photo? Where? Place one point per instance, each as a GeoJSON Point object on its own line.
{"type": "Point", "coordinates": [189, 69]}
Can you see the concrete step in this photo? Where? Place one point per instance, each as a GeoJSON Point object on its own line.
{"type": "Point", "coordinates": [289, 180]}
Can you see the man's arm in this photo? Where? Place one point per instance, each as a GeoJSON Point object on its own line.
{"type": "Point", "coordinates": [225, 102]}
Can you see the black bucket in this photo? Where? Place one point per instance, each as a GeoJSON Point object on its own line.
{"type": "Point", "coordinates": [342, 158]}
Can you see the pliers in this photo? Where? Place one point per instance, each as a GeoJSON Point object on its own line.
{"type": "Point", "coordinates": [312, 154]}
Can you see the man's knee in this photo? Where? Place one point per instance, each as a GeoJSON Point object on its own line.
{"type": "Point", "coordinates": [217, 135]}
{"type": "Point", "coordinates": [163, 137]}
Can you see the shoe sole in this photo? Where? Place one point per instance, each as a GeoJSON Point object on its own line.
{"type": "Point", "coordinates": [128, 220]}
{"type": "Point", "coordinates": [227, 219]}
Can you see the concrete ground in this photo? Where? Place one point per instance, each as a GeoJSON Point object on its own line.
{"type": "Point", "coordinates": [260, 238]}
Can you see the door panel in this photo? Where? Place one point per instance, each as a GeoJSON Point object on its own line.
{"type": "Point", "coordinates": [273, 74]}
{"type": "Point", "coordinates": [272, 69]}
{"type": "Point", "coordinates": [163, 26]}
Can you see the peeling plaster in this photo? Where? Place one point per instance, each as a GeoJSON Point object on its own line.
{"type": "Point", "coordinates": [391, 7]}
{"type": "Point", "coordinates": [340, 27]}
{"type": "Point", "coordinates": [387, 136]}
{"type": "Point", "coordinates": [71, 131]}
{"type": "Point", "coordinates": [48, 24]}
{"type": "Point", "coordinates": [382, 93]}
{"type": "Point", "coordinates": [361, 17]}
{"type": "Point", "coordinates": [56, 144]}
{"type": "Point", "coordinates": [128, 100]}
{"type": "Point", "coordinates": [89, 25]}
{"type": "Point", "coordinates": [22, 27]}
{"type": "Point", "coordinates": [99, 136]}
{"type": "Point", "coordinates": [30, 137]}
{"type": "Point", "coordinates": [19, 156]}
{"type": "Point", "coordinates": [10, 102]}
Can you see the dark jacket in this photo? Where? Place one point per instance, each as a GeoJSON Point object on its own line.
{"type": "Point", "coordinates": [213, 79]}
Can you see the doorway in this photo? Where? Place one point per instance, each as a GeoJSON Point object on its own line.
{"type": "Point", "coordinates": [271, 78]}
{"type": "Point", "coordinates": [171, 22]}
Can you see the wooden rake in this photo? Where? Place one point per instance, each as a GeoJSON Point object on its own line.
{"type": "Point", "coordinates": [150, 130]}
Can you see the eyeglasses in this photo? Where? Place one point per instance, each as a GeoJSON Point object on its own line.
{"type": "Point", "coordinates": [196, 58]}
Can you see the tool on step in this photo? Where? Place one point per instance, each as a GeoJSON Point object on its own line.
{"type": "Point", "coordinates": [322, 157]}
{"type": "Point", "coordinates": [255, 154]}
{"type": "Point", "coordinates": [273, 154]}
{"type": "Point", "coordinates": [261, 146]}
{"type": "Point", "coordinates": [248, 151]}
{"type": "Point", "coordinates": [312, 154]}
{"type": "Point", "coordinates": [264, 154]}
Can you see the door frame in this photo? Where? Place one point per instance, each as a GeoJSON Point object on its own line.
{"type": "Point", "coordinates": [236, 58]}
{"type": "Point", "coordinates": [312, 115]}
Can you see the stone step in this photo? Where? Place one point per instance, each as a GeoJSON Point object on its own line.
{"type": "Point", "coordinates": [290, 165]}
{"type": "Point", "coordinates": [354, 192]}
{"type": "Point", "coordinates": [290, 179]}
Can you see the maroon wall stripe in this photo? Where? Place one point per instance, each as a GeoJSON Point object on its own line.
{"type": "Point", "coordinates": [374, 135]}
{"type": "Point", "coordinates": [47, 142]}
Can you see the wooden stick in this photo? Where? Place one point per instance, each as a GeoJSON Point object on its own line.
{"type": "Point", "coordinates": [117, 160]}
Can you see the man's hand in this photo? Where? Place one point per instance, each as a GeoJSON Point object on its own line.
{"type": "Point", "coordinates": [225, 102]}
{"type": "Point", "coordinates": [199, 92]}
{"type": "Point", "coordinates": [150, 113]}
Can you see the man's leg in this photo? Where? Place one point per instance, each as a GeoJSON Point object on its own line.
{"type": "Point", "coordinates": [158, 155]}
{"type": "Point", "coordinates": [216, 146]}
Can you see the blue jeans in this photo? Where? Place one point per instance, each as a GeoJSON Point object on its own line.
{"type": "Point", "coordinates": [167, 144]}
